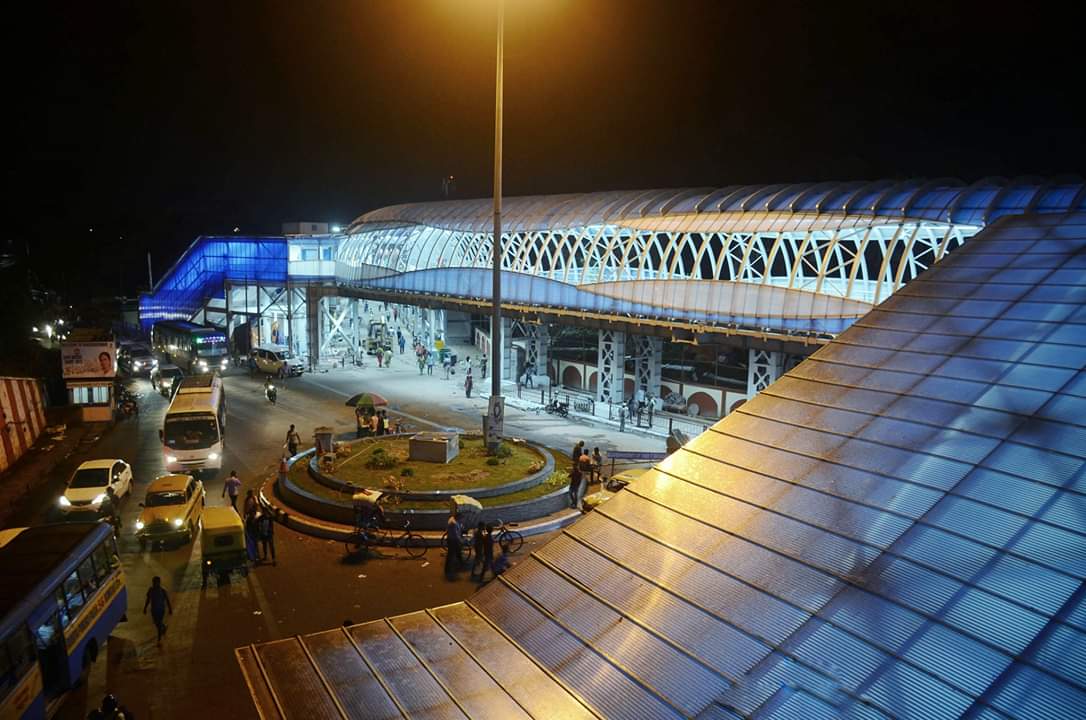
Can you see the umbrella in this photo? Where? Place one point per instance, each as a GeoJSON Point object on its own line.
{"type": "Point", "coordinates": [366, 399]}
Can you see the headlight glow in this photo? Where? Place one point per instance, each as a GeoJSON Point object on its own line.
{"type": "Point", "coordinates": [64, 502]}
{"type": "Point", "coordinates": [213, 456]}
{"type": "Point", "coordinates": [223, 363]}
{"type": "Point", "coordinates": [139, 524]}
{"type": "Point", "coordinates": [99, 499]}
{"type": "Point", "coordinates": [137, 364]}
{"type": "Point", "coordinates": [171, 458]}
{"type": "Point", "coordinates": [177, 522]}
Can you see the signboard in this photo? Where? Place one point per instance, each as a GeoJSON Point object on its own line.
{"type": "Point", "coordinates": [88, 360]}
{"type": "Point", "coordinates": [495, 420]}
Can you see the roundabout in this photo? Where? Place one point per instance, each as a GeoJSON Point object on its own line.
{"type": "Point", "coordinates": [518, 485]}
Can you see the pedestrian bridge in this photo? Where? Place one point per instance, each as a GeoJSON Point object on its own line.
{"type": "Point", "coordinates": [769, 260]}
{"type": "Point", "coordinates": [804, 259]}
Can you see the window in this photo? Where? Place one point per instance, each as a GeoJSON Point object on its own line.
{"type": "Point", "coordinates": [87, 577]}
{"type": "Point", "coordinates": [16, 657]}
{"type": "Point", "coordinates": [310, 254]}
{"type": "Point", "coordinates": [89, 394]}
{"type": "Point", "coordinates": [73, 594]}
{"type": "Point", "coordinates": [326, 252]}
{"type": "Point", "coordinates": [102, 562]}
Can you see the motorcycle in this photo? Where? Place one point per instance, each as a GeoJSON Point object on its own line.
{"type": "Point", "coordinates": [270, 392]}
{"type": "Point", "coordinates": [560, 409]}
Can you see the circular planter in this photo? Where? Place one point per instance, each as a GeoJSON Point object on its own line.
{"type": "Point", "coordinates": [342, 511]}
{"type": "Point", "coordinates": [331, 481]}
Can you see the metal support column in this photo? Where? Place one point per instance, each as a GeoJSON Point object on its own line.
{"type": "Point", "coordinates": [313, 325]}
{"type": "Point", "coordinates": [763, 368]}
{"type": "Point", "coordinates": [611, 366]}
{"type": "Point", "coordinates": [538, 348]}
{"type": "Point", "coordinates": [648, 353]}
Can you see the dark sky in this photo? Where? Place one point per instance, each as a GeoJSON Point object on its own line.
{"type": "Point", "coordinates": [157, 121]}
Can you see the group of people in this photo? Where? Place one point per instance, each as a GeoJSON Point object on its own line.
{"type": "Point", "coordinates": [482, 547]}
{"type": "Point", "coordinates": [585, 469]}
{"type": "Point", "coordinates": [370, 422]}
{"type": "Point", "coordinates": [259, 525]}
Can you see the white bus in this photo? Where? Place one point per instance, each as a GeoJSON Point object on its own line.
{"type": "Point", "coordinates": [194, 428]}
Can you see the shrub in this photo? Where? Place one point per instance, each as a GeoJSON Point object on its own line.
{"type": "Point", "coordinates": [407, 472]}
{"type": "Point", "coordinates": [493, 461]}
{"type": "Point", "coordinates": [503, 451]}
{"type": "Point", "coordinates": [380, 460]}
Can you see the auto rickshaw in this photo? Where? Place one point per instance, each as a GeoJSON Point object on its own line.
{"type": "Point", "coordinates": [223, 544]}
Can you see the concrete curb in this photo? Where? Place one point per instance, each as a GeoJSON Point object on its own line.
{"type": "Point", "coordinates": [337, 531]}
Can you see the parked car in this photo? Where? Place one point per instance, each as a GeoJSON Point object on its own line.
{"type": "Point", "coordinates": [277, 361]}
{"type": "Point", "coordinates": [136, 360]}
{"type": "Point", "coordinates": [173, 508]}
{"type": "Point", "coordinates": [89, 489]}
{"type": "Point", "coordinates": [165, 378]}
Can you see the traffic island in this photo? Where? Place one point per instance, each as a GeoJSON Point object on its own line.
{"type": "Point", "coordinates": [520, 486]}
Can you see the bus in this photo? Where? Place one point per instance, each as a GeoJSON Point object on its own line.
{"type": "Point", "coordinates": [62, 592]}
{"type": "Point", "coordinates": [196, 348]}
{"type": "Point", "coordinates": [194, 428]}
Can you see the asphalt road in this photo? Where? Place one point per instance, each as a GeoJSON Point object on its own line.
{"type": "Point", "coordinates": [314, 585]}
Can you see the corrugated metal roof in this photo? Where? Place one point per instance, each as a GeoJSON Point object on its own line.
{"type": "Point", "coordinates": [894, 529]}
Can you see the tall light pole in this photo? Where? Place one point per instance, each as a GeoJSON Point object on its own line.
{"type": "Point", "coordinates": [496, 292]}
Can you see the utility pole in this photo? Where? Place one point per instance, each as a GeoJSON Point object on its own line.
{"type": "Point", "coordinates": [495, 417]}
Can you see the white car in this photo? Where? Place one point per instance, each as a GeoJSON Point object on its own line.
{"type": "Point", "coordinates": [88, 489]}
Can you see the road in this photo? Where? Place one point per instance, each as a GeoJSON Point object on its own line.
{"type": "Point", "coordinates": [313, 586]}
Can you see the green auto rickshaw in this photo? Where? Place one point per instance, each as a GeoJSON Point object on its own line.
{"type": "Point", "coordinates": [223, 544]}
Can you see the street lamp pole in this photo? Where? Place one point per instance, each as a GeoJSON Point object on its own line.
{"type": "Point", "coordinates": [496, 325]}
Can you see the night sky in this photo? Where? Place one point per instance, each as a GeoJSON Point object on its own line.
{"type": "Point", "coordinates": [158, 121]}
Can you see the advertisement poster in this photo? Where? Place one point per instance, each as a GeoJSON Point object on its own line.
{"type": "Point", "coordinates": [88, 360]}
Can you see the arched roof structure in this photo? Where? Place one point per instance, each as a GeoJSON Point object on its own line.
{"type": "Point", "coordinates": [807, 257]}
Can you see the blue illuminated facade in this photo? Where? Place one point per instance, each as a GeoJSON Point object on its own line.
{"type": "Point", "coordinates": [203, 271]}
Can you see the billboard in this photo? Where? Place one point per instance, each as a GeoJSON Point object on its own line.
{"type": "Point", "coordinates": [88, 359]}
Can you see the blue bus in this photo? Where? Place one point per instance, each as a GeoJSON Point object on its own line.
{"type": "Point", "coordinates": [62, 592]}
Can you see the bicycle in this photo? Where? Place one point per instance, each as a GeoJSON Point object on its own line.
{"type": "Point", "coordinates": [371, 535]}
{"type": "Point", "coordinates": [465, 546]}
{"type": "Point", "coordinates": [509, 540]}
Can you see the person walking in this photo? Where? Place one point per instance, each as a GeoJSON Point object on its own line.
{"type": "Point", "coordinates": [421, 360]}
{"type": "Point", "coordinates": [468, 384]}
{"type": "Point", "coordinates": [232, 486]}
{"type": "Point", "coordinates": [381, 423]}
{"type": "Point", "coordinates": [250, 538]}
{"type": "Point", "coordinates": [402, 341]}
{"type": "Point", "coordinates": [429, 363]}
{"type": "Point", "coordinates": [597, 465]}
{"type": "Point", "coordinates": [482, 367]}
{"type": "Point", "coordinates": [293, 441]}
{"type": "Point", "coordinates": [477, 547]}
{"type": "Point", "coordinates": [380, 357]}
{"type": "Point", "coordinates": [265, 531]}
{"type": "Point", "coordinates": [388, 359]}
{"type": "Point", "coordinates": [445, 363]}
{"type": "Point", "coordinates": [159, 602]}
{"type": "Point", "coordinates": [284, 469]}
{"type": "Point", "coordinates": [453, 543]}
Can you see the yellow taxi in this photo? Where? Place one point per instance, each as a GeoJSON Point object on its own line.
{"type": "Point", "coordinates": [173, 508]}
